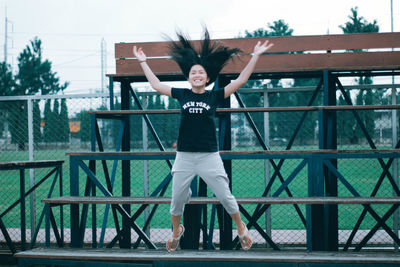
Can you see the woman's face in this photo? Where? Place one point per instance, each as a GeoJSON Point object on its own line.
{"type": "Point", "coordinates": [198, 76]}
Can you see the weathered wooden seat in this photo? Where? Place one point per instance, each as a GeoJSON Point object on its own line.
{"type": "Point", "coordinates": [112, 113]}
{"type": "Point", "coordinates": [16, 165]}
{"type": "Point", "coordinates": [214, 200]}
{"type": "Point", "coordinates": [232, 154]}
{"type": "Point", "coordinates": [254, 257]}
{"type": "Point", "coordinates": [288, 55]}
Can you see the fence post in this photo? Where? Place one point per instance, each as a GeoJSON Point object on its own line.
{"type": "Point", "coordinates": [266, 164]}
{"type": "Point", "coordinates": [31, 171]}
{"type": "Point", "coordinates": [145, 166]}
{"type": "Point", "coordinates": [395, 165]}
{"type": "Point", "coordinates": [111, 89]}
{"type": "Point", "coordinates": [74, 210]}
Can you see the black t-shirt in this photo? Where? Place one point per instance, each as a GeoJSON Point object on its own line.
{"type": "Point", "coordinates": [197, 131]}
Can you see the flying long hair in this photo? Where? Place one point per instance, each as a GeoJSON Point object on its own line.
{"type": "Point", "coordinates": [213, 56]}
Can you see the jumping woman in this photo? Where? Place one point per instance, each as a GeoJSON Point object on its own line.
{"type": "Point", "coordinates": [197, 148]}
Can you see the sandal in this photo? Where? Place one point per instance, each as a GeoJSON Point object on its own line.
{"type": "Point", "coordinates": [241, 238]}
{"type": "Point", "coordinates": [172, 243]}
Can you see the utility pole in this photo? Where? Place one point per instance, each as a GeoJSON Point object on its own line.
{"type": "Point", "coordinates": [103, 81]}
{"type": "Point", "coordinates": [5, 36]}
{"type": "Point", "coordinates": [103, 64]}
{"type": "Point", "coordinates": [6, 22]}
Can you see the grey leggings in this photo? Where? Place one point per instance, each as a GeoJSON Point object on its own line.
{"type": "Point", "coordinates": [210, 168]}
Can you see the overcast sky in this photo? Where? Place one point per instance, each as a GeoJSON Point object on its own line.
{"type": "Point", "coordinates": [72, 30]}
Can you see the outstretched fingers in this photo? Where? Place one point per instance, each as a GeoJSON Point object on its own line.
{"type": "Point", "coordinates": [262, 48]}
{"type": "Point", "coordinates": [138, 53]}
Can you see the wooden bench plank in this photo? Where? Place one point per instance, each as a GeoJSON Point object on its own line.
{"type": "Point", "coordinates": [281, 43]}
{"type": "Point", "coordinates": [272, 63]}
{"type": "Point", "coordinates": [240, 110]}
{"type": "Point", "coordinates": [214, 200]}
{"type": "Point", "coordinates": [254, 255]}
{"type": "Point", "coordinates": [256, 152]}
{"type": "Point", "coordinates": [9, 165]}
{"type": "Point", "coordinates": [321, 52]}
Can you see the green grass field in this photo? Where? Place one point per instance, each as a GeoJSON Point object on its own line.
{"type": "Point", "coordinates": [248, 180]}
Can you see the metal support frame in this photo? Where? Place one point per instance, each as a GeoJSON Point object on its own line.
{"type": "Point", "coordinates": [96, 137]}
{"type": "Point", "coordinates": [324, 228]}
{"type": "Point", "coordinates": [325, 219]}
{"type": "Point", "coordinates": [329, 128]}
{"type": "Point", "coordinates": [384, 165]}
{"type": "Point", "coordinates": [278, 166]}
{"type": "Point", "coordinates": [21, 166]}
{"type": "Point", "coordinates": [125, 241]}
{"type": "Point", "coordinates": [315, 161]}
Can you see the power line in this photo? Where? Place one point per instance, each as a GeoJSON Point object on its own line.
{"type": "Point", "coordinates": [76, 59]}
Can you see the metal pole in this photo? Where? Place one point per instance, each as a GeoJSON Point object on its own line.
{"type": "Point", "coordinates": [5, 37]}
{"type": "Point", "coordinates": [145, 165]}
{"type": "Point", "coordinates": [111, 89]}
{"type": "Point", "coordinates": [266, 164]}
{"type": "Point", "coordinates": [31, 171]}
{"type": "Point", "coordinates": [395, 166]}
{"type": "Point", "coordinates": [126, 241]}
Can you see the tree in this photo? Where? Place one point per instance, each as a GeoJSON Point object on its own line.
{"type": "Point", "coordinates": [358, 24]}
{"type": "Point", "coordinates": [54, 122]}
{"type": "Point", "coordinates": [115, 124]}
{"type": "Point", "coordinates": [345, 124]}
{"type": "Point", "coordinates": [306, 132]}
{"type": "Point", "coordinates": [136, 128]}
{"type": "Point", "coordinates": [15, 111]}
{"type": "Point", "coordinates": [34, 76]}
{"type": "Point", "coordinates": [47, 129]}
{"type": "Point", "coordinates": [18, 123]}
{"type": "Point", "coordinates": [64, 121]}
{"type": "Point", "coordinates": [172, 123]}
{"type": "Point", "coordinates": [7, 85]}
{"type": "Point", "coordinates": [277, 28]}
{"type": "Point", "coordinates": [55, 115]}
{"type": "Point", "coordinates": [159, 121]}
{"type": "Point", "coordinates": [85, 129]}
{"type": "Point", "coordinates": [37, 135]}
{"type": "Point", "coordinates": [7, 82]}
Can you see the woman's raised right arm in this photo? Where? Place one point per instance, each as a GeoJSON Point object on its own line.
{"type": "Point", "coordinates": [150, 76]}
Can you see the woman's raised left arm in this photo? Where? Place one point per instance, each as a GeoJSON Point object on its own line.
{"type": "Point", "coordinates": [244, 75]}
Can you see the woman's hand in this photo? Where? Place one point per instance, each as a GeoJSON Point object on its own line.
{"type": "Point", "coordinates": [139, 54]}
{"type": "Point", "coordinates": [262, 48]}
{"type": "Point", "coordinates": [155, 83]}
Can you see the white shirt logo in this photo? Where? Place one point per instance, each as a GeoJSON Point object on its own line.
{"type": "Point", "coordinates": [195, 107]}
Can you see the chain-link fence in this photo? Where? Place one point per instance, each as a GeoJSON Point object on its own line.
{"type": "Point", "coordinates": [47, 127]}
